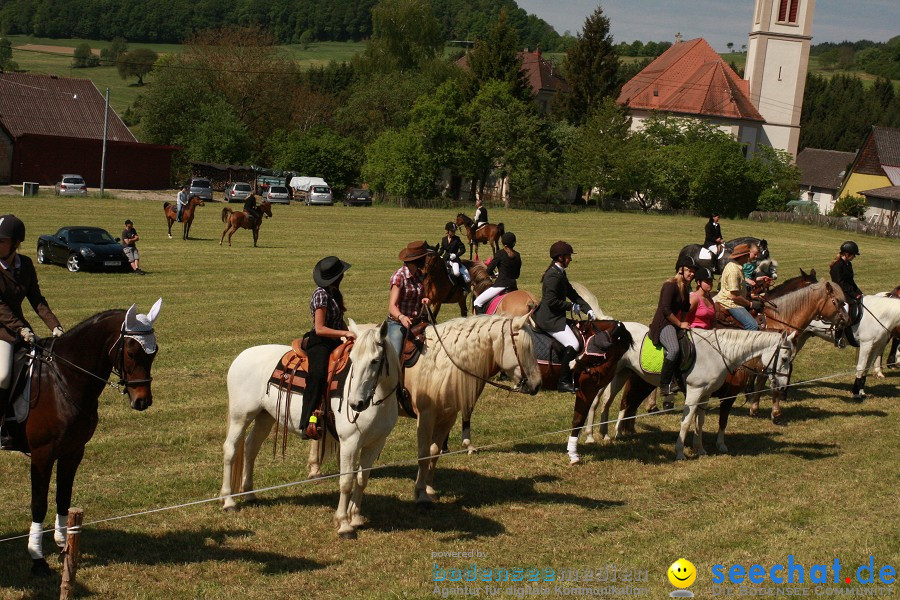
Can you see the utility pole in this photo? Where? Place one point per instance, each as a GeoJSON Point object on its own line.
{"type": "Point", "coordinates": [103, 159]}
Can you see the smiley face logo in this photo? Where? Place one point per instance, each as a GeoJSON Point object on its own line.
{"type": "Point", "coordinates": [682, 573]}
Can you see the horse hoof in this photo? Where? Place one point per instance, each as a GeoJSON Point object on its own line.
{"type": "Point", "coordinates": [347, 535]}
{"type": "Point", "coordinates": [230, 509]}
{"type": "Point", "coordinates": [589, 440]}
{"type": "Point", "coordinates": [574, 459]}
{"type": "Point", "coordinates": [40, 568]}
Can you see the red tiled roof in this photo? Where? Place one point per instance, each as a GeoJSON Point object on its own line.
{"type": "Point", "coordinates": [541, 73]}
{"type": "Point", "coordinates": [691, 78]}
{"type": "Point", "coordinates": [47, 105]}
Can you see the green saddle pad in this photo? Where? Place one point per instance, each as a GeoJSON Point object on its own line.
{"type": "Point", "coordinates": [652, 355]}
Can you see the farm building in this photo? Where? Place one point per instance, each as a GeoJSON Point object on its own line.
{"type": "Point", "coordinates": [877, 164]}
{"type": "Point", "coordinates": [52, 125]}
{"type": "Point", "coordinates": [821, 174]}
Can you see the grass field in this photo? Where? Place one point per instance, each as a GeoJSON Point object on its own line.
{"type": "Point", "coordinates": [822, 487]}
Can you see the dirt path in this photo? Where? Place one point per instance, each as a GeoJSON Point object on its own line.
{"type": "Point", "coordinates": [66, 50]}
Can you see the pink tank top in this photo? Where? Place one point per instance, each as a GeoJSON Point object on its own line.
{"type": "Point", "coordinates": [703, 317]}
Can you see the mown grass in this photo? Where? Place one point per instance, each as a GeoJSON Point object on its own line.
{"type": "Point", "coordinates": [820, 488]}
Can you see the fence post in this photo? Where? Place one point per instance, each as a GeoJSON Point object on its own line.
{"type": "Point", "coordinates": [70, 554]}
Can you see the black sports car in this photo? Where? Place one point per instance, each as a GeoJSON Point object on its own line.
{"type": "Point", "coordinates": [82, 248]}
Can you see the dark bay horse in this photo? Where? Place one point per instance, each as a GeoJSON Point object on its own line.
{"type": "Point", "coordinates": [717, 266]}
{"type": "Point", "coordinates": [235, 220]}
{"type": "Point", "coordinates": [64, 399]}
{"type": "Point", "coordinates": [187, 215]}
{"type": "Point", "coordinates": [440, 288]}
{"type": "Point", "coordinates": [486, 234]}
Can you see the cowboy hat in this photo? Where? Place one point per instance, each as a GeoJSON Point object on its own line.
{"type": "Point", "coordinates": [328, 270]}
{"type": "Point", "coordinates": [414, 250]}
{"type": "Point", "coordinates": [740, 250]}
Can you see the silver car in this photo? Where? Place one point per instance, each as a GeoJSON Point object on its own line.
{"type": "Point", "coordinates": [200, 186]}
{"type": "Point", "coordinates": [237, 192]}
{"type": "Point", "coordinates": [319, 194]}
{"type": "Point", "coordinates": [278, 194]}
{"type": "Point", "coordinates": [71, 185]}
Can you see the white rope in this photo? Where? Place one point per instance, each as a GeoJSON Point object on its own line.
{"type": "Point", "coordinates": [402, 462]}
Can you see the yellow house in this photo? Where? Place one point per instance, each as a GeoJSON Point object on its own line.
{"type": "Point", "coordinates": [877, 164]}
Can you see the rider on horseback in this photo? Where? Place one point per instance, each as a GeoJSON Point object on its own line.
{"type": "Point", "coordinates": [713, 240]}
{"type": "Point", "coordinates": [252, 209]}
{"type": "Point", "coordinates": [407, 293]}
{"type": "Point", "coordinates": [842, 274]}
{"type": "Point", "coordinates": [18, 280]}
{"type": "Point", "coordinates": [508, 265]}
{"type": "Point", "coordinates": [733, 295]}
{"type": "Point", "coordinates": [670, 322]}
{"type": "Point", "coordinates": [181, 201]}
{"type": "Point", "coordinates": [481, 215]}
{"type": "Point", "coordinates": [450, 250]}
{"type": "Point", "coordinates": [557, 297]}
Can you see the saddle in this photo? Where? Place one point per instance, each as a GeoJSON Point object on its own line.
{"type": "Point", "coordinates": [724, 320]}
{"type": "Point", "coordinates": [17, 405]}
{"type": "Point", "coordinates": [413, 346]}
{"type": "Point", "coordinates": [290, 376]}
{"type": "Point", "coordinates": [856, 313]}
{"type": "Point", "coordinates": [544, 345]}
{"type": "Point", "coordinates": [652, 355]}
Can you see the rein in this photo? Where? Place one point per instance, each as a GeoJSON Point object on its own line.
{"type": "Point", "coordinates": [383, 365]}
{"type": "Point", "coordinates": [766, 369]}
{"type": "Point", "coordinates": [512, 336]}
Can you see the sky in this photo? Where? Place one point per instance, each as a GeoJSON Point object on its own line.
{"type": "Point", "coordinates": [718, 21]}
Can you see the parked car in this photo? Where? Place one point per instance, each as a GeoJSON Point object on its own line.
{"type": "Point", "coordinates": [82, 248]}
{"type": "Point", "coordinates": [71, 185]}
{"type": "Point", "coordinates": [200, 186]}
{"type": "Point", "coordinates": [319, 194]}
{"type": "Point", "coordinates": [278, 194]}
{"type": "Point", "coordinates": [358, 197]}
{"type": "Point", "coordinates": [302, 185]}
{"type": "Point", "coordinates": [237, 192]}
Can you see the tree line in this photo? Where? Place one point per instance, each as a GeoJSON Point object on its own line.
{"type": "Point", "coordinates": [881, 59]}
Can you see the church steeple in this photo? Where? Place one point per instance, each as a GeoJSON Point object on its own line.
{"type": "Point", "coordinates": [777, 62]}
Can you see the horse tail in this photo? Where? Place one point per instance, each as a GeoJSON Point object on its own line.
{"type": "Point", "coordinates": [237, 466]}
{"type": "Point", "coordinates": [226, 212]}
{"type": "Point", "coordinates": [500, 229]}
{"type": "Point", "coordinates": [166, 206]}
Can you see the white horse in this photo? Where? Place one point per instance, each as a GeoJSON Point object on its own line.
{"type": "Point", "coordinates": [880, 320]}
{"type": "Point", "coordinates": [461, 356]}
{"type": "Point", "coordinates": [719, 352]}
{"type": "Point", "coordinates": [365, 413]}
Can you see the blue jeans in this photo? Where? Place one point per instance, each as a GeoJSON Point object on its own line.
{"type": "Point", "coordinates": [742, 315]}
{"type": "Point", "coordinates": [179, 210]}
{"type": "Point", "coordinates": [396, 334]}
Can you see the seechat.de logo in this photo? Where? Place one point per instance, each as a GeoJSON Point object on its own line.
{"type": "Point", "coordinates": [794, 573]}
{"type": "Point", "coordinates": [682, 574]}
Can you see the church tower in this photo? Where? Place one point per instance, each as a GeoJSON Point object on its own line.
{"type": "Point", "coordinates": [777, 62]}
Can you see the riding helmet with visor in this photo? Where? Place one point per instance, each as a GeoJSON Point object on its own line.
{"type": "Point", "coordinates": [850, 247]}
{"type": "Point", "coordinates": [12, 227]}
{"type": "Point", "coordinates": [685, 261]}
{"type": "Point", "coordinates": [703, 274]}
{"type": "Point", "coordinates": [509, 239]}
{"type": "Point", "coordinates": [560, 248]}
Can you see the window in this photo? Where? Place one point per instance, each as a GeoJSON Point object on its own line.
{"type": "Point", "coordinates": [787, 11]}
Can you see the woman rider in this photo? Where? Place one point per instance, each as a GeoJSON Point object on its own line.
{"type": "Point", "coordinates": [18, 280]}
{"type": "Point", "coordinates": [733, 293]}
{"type": "Point", "coordinates": [407, 293]}
{"type": "Point", "coordinates": [508, 265]}
{"type": "Point", "coordinates": [702, 314]}
{"type": "Point", "coordinates": [671, 318]}
{"type": "Point", "coordinates": [251, 208]}
{"type": "Point", "coordinates": [557, 297]}
{"type": "Point", "coordinates": [713, 239]}
{"type": "Point", "coordinates": [327, 309]}
{"type": "Point", "coordinates": [842, 274]}
{"type": "Point", "coordinates": [450, 250]}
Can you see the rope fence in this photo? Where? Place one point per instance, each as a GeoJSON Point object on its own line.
{"type": "Point", "coordinates": [533, 436]}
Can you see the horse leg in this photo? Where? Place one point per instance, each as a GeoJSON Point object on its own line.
{"type": "Point", "coordinates": [66, 467]}
{"type": "Point", "coordinates": [441, 431]}
{"type": "Point", "coordinates": [424, 431]}
{"type": "Point", "coordinates": [463, 308]}
{"type": "Point", "coordinates": [349, 452]}
{"type": "Point", "coordinates": [170, 227]}
{"type": "Point", "coordinates": [863, 364]}
{"type": "Point", "coordinates": [588, 426]}
{"type": "Point", "coordinates": [187, 228]}
{"type": "Point", "coordinates": [262, 425]}
{"type": "Point", "coordinates": [255, 235]}
{"type": "Point", "coordinates": [687, 418]}
{"type": "Point", "coordinates": [724, 412]}
{"type": "Point", "coordinates": [585, 398]}
{"type": "Point", "coordinates": [233, 449]}
{"type": "Point", "coordinates": [227, 227]}
{"type": "Point", "coordinates": [609, 394]}
{"type": "Point", "coordinates": [467, 434]}
{"type": "Point", "coordinates": [698, 432]}
{"type": "Point", "coordinates": [41, 469]}
{"type": "Point", "coordinates": [366, 460]}
{"type": "Point", "coordinates": [894, 354]}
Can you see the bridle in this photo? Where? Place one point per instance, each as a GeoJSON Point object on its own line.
{"type": "Point", "coordinates": [770, 368]}
{"type": "Point", "coordinates": [383, 366]}
{"type": "Point", "coordinates": [838, 305]}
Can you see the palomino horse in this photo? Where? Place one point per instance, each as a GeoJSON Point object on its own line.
{"type": "Point", "coordinates": [486, 234]}
{"type": "Point", "coordinates": [880, 320]}
{"type": "Point", "coordinates": [187, 215]}
{"type": "Point", "coordinates": [64, 398]}
{"type": "Point", "coordinates": [440, 288]}
{"type": "Point", "coordinates": [365, 412]}
{"type": "Point", "coordinates": [235, 220]}
{"type": "Point", "coordinates": [793, 313]}
{"type": "Point", "coordinates": [461, 356]}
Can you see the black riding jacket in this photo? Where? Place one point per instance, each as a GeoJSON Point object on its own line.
{"type": "Point", "coordinates": [842, 274]}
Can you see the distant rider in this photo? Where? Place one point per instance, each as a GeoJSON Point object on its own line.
{"type": "Point", "coordinates": [481, 215]}
{"type": "Point", "coordinates": [508, 265]}
{"type": "Point", "coordinates": [450, 250]}
{"type": "Point", "coordinates": [181, 201]}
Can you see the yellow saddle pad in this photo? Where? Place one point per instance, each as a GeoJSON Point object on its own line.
{"type": "Point", "coordinates": [652, 355]}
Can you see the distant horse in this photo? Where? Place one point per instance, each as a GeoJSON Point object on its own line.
{"type": "Point", "coordinates": [704, 258]}
{"type": "Point", "coordinates": [440, 288]}
{"type": "Point", "coordinates": [461, 356]}
{"type": "Point", "coordinates": [187, 215]}
{"type": "Point", "coordinates": [365, 412]}
{"type": "Point", "coordinates": [486, 234]}
{"type": "Point", "coordinates": [235, 220]}
{"type": "Point", "coordinates": [893, 355]}
{"type": "Point", "coordinates": [64, 400]}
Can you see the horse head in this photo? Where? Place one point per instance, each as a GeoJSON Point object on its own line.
{"type": "Point", "coordinates": [266, 208]}
{"type": "Point", "coordinates": [767, 267]}
{"type": "Point", "coordinates": [779, 364]}
{"type": "Point", "coordinates": [136, 351]}
{"type": "Point", "coordinates": [833, 309]}
{"type": "Point", "coordinates": [518, 360]}
{"type": "Point", "coordinates": [196, 201]}
{"type": "Point", "coordinates": [373, 365]}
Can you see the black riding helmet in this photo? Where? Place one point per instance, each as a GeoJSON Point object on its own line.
{"type": "Point", "coordinates": [560, 248]}
{"type": "Point", "coordinates": [702, 274]}
{"type": "Point", "coordinates": [509, 239]}
{"type": "Point", "coordinates": [12, 226]}
{"type": "Point", "coordinates": [850, 247]}
{"type": "Point", "coordinates": [685, 261]}
{"type": "Point", "coordinates": [450, 226]}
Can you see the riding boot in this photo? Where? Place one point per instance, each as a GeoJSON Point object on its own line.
{"type": "Point", "coordinates": [666, 386]}
{"type": "Point", "coordinates": [565, 382]}
{"type": "Point", "coordinates": [7, 423]}
{"type": "Point", "coordinates": [478, 310]}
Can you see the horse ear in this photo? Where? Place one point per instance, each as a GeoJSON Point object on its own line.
{"type": "Point", "coordinates": [154, 311]}
{"type": "Point", "coordinates": [828, 287]}
{"type": "Point", "coordinates": [351, 325]}
{"type": "Point", "coordinates": [812, 272]}
{"type": "Point", "coordinates": [520, 322]}
{"type": "Point", "coordinates": [383, 330]}
{"type": "Point", "coordinates": [131, 321]}
{"type": "Point", "coordinates": [802, 272]}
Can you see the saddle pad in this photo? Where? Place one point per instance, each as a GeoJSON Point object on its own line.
{"type": "Point", "coordinates": [543, 345]}
{"type": "Point", "coordinates": [291, 371]}
{"type": "Point", "coordinates": [652, 355]}
{"type": "Point", "coordinates": [492, 307]}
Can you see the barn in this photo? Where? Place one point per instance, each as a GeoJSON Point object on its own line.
{"type": "Point", "coordinates": [52, 125]}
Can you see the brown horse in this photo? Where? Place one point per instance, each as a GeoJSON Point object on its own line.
{"type": "Point", "coordinates": [440, 288]}
{"type": "Point", "coordinates": [486, 234]}
{"type": "Point", "coordinates": [187, 215]}
{"type": "Point", "coordinates": [235, 220]}
{"type": "Point", "coordinates": [512, 304]}
{"type": "Point", "coordinates": [72, 373]}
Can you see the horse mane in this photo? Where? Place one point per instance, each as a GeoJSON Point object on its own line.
{"type": "Point", "coordinates": [592, 301]}
{"type": "Point", "coordinates": [480, 278]}
{"type": "Point", "coordinates": [92, 321]}
{"type": "Point", "coordinates": [797, 300]}
{"type": "Point", "coordinates": [734, 340]}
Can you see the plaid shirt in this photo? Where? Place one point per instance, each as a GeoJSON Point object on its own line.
{"type": "Point", "coordinates": [412, 290]}
{"type": "Point", "coordinates": [334, 318]}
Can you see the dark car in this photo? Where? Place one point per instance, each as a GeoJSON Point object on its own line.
{"type": "Point", "coordinates": [82, 248]}
{"type": "Point", "coordinates": [358, 197]}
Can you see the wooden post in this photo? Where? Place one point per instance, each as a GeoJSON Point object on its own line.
{"type": "Point", "coordinates": [70, 554]}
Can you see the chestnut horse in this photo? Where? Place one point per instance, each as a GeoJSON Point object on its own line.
{"type": "Point", "coordinates": [440, 288]}
{"type": "Point", "coordinates": [486, 234]}
{"type": "Point", "coordinates": [65, 389]}
{"type": "Point", "coordinates": [235, 220]}
{"type": "Point", "coordinates": [187, 215]}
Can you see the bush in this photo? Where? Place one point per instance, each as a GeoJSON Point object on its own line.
{"type": "Point", "coordinates": [773, 200]}
{"type": "Point", "coordinates": [849, 206]}
{"type": "Point", "coordinates": [84, 57]}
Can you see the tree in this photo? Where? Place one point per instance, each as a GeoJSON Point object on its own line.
{"type": "Point", "coordinates": [850, 206]}
{"type": "Point", "coordinates": [110, 55]}
{"type": "Point", "coordinates": [405, 35]}
{"type": "Point", "coordinates": [218, 136]}
{"type": "Point", "coordinates": [6, 61]}
{"type": "Point", "coordinates": [496, 57]}
{"type": "Point", "coordinates": [136, 63]}
{"type": "Point", "coordinates": [320, 152]}
{"type": "Point", "coordinates": [84, 57]}
{"type": "Point", "coordinates": [730, 46]}
{"type": "Point", "coordinates": [397, 164]}
{"type": "Point", "coordinates": [591, 68]}
{"type": "Point", "coordinates": [593, 159]}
